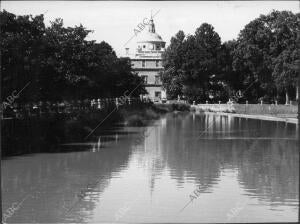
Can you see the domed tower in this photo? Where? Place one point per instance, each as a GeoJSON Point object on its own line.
{"type": "Point", "coordinates": [147, 61]}
{"type": "Point", "coordinates": [149, 41]}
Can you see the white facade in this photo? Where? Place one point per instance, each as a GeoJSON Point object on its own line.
{"type": "Point", "coordinates": [147, 61]}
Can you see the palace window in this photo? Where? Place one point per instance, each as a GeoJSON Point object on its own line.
{"type": "Point", "coordinates": [145, 78]}
{"type": "Point", "coordinates": [143, 63]}
{"type": "Point", "coordinates": [157, 80]}
{"type": "Point", "coordinates": [157, 94]}
{"type": "Point", "coordinates": [157, 63]}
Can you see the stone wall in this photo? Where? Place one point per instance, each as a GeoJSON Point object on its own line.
{"type": "Point", "coordinates": [248, 108]}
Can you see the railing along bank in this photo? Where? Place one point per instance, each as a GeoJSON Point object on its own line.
{"type": "Point", "coordinates": [17, 110]}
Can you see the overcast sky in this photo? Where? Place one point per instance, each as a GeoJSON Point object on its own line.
{"type": "Point", "coordinates": [114, 22]}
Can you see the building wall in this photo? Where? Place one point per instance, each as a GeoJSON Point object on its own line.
{"type": "Point", "coordinates": [152, 89]}
{"type": "Point", "coordinates": [150, 76]}
{"type": "Point", "coordinates": [150, 46]}
{"type": "Point", "coordinates": [151, 70]}
{"type": "Point", "coordinates": [149, 63]}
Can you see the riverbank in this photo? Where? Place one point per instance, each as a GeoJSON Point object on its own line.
{"type": "Point", "coordinates": [45, 133]}
{"type": "Point", "coordinates": [284, 113]}
{"type": "Point", "coordinates": [259, 117]}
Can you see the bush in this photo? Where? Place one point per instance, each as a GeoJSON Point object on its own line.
{"type": "Point", "coordinates": [180, 107]}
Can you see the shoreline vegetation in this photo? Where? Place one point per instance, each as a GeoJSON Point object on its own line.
{"type": "Point", "coordinates": [38, 134]}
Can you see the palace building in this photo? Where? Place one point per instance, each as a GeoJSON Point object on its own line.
{"type": "Point", "coordinates": [147, 61]}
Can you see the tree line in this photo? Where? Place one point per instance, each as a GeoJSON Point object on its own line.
{"type": "Point", "coordinates": [59, 63]}
{"type": "Point", "coordinates": [261, 64]}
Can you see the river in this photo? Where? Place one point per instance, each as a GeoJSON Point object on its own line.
{"type": "Point", "coordinates": [184, 167]}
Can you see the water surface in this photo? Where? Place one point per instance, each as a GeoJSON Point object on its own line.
{"type": "Point", "coordinates": [241, 170]}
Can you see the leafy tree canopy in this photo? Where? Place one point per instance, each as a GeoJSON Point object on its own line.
{"type": "Point", "coordinates": [59, 62]}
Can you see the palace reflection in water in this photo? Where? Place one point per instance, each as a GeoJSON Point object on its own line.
{"type": "Point", "coordinates": [231, 160]}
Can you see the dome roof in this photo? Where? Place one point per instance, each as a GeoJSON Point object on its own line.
{"type": "Point", "coordinates": [149, 35]}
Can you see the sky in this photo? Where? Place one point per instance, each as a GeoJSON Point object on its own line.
{"type": "Point", "coordinates": [114, 21]}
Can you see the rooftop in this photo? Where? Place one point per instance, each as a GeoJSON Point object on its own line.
{"type": "Point", "coordinates": [149, 35]}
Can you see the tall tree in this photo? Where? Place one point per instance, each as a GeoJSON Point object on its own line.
{"type": "Point", "coordinates": [260, 49]}
{"type": "Point", "coordinates": [59, 62]}
{"type": "Point", "coordinates": [285, 51]}
{"type": "Point", "coordinates": [173, 59]}
{"type": "Point", "coordinates": [232, 80]}
{"type": "Point", "coordinates": [21, 46]}
{"type": "Point", "coordinates": [195, 63]}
